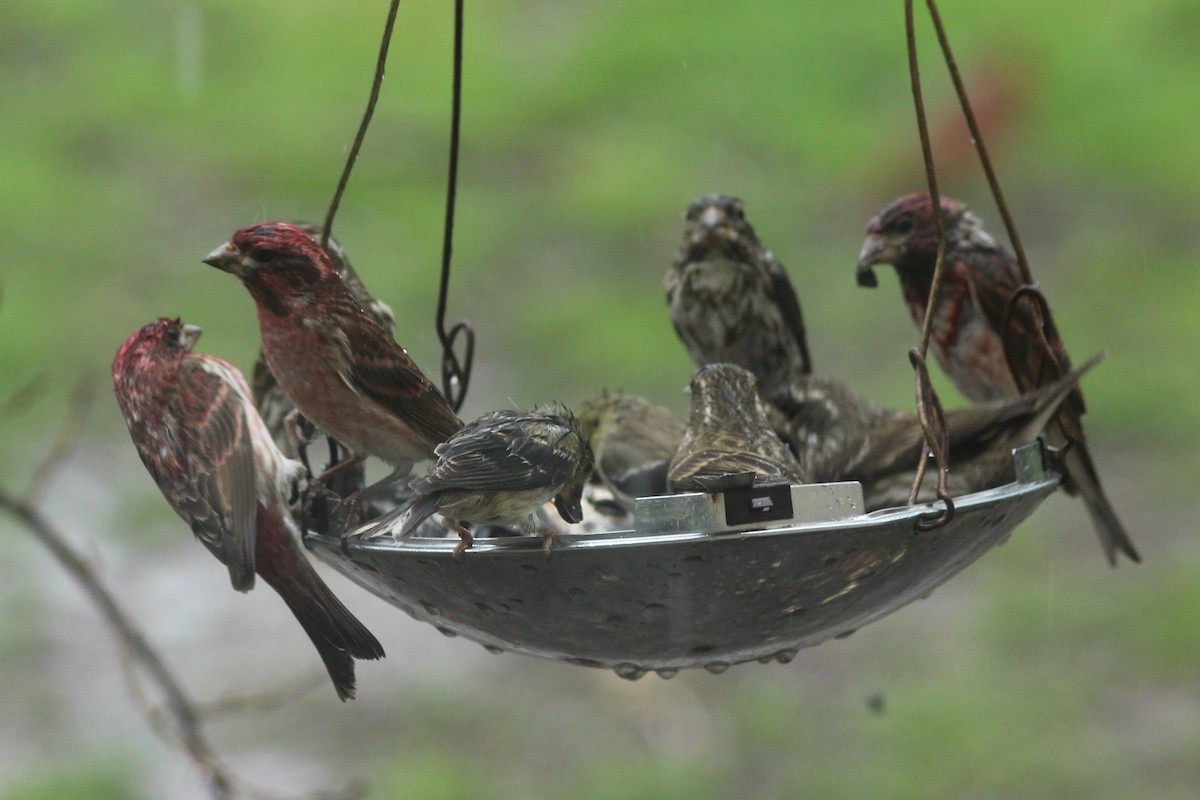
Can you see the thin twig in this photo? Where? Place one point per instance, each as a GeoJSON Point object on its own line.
{"type": "Point", "coordinates": [22, 398]}
{"type": "Point", "coordinates": [65, 442]}
{"type": "Point", "coordinates": [180, 719]}
{"type": "Point", "coordinates": [352, 156]}
{"type": "Point", "coordinates": [187, 722]}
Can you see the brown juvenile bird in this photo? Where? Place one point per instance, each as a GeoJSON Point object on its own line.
{"type": "Point", "coordinates": [340, 367]}
{"type": "Point", "coordinates": [730, 298]}
{"type": "Point", "coordinates": [838, 435]}
{"type": "Point", "coordinates": [501, 469]}
{"type": "Point", "coordinates": [193, 422]}
{"type": "Point", "coordinates": [980, 279]}
{"type": "Point", "coordinates": [633, 441]}
{"type": "Point", "coordinates": [728, 433]}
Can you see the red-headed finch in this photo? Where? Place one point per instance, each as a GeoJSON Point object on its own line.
{"type": "Point", "coordinates": [273, 405]}
{"type": "Point", "coordinates": [501, 469]}
{"type": "Point", "coordinates": [728, 434]}
{"type": "Point", "coordinates": [193, 422]}
{"type": "Point", "coordinates": [979, 281]}
{"type": "Point", "coordinates": [339, 366]}
{"type": "Point", "coordinates": [730, 298]}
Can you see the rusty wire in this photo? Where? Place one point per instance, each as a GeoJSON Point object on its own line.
{"type": "Point", "coordinates": [1045, 325]}
{"type": "Point", "coordinates": [929, 407]}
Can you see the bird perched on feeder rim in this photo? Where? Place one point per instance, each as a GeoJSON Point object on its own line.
{"type": "Point", "coordinates": [339, 366]}
{"type": "Point", "coordinates": [633, 441]}
{"type": "Point", "coordinates": [193, 422]}
{"type": "Point", "coordinates": [501, 469]}
{"type": "Point", "coordinates": [839, 435]}
{"type": "Point", "coordinates": [728, 434]}
{"type": "Point", "coordinates": [979, 283]}
{"type": "Point", "coordinates": [730, 298]}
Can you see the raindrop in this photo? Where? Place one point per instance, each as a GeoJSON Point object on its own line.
{"type": "Point", "coordinates": [717, 667]}
{"type": "Point", "coordinates": [493, 649]}
{"type": "Point", "coordinates": [786, 656]}
{"type": "Point", "coordinates": [486, 609]}
{"type": "Point", "coordinates": [666, 673]}
{"type": "Point", "coordinates": [430, 608]}
{"type": "Point", "coordinates": [628, 671]}
{"type": "Point", "coordinates": [449, 634]}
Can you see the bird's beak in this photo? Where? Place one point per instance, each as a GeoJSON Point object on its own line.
{"type": "Point", "coordinates": [875, 250]}
{"type": "Point", "coordinates": [188, 336]}
{"type": "Point", "coordinates": [569, 503]}
{"type": "Point", "coordinates": [714, 226]}
{"type": "Point", "coordinates": [227, 258]}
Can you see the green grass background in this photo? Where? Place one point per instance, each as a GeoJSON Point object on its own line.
{"type": "Point", "coordinates": [136, 136]}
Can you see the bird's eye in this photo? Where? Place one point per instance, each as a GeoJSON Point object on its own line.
{"type": "Point", "coordinates": [173, 335]}
{"type": "Point", "coordinates": [262, 255]}
{"type": "Point", "coordinates": [903, 224]}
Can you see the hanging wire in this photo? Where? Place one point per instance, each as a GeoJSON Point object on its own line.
{"type": "Point", "coordinates": [1051, 368]}
{"type": "Point", "coordinates": [929, 407]}
{"type": "Point", "coordinates": [456, 375]}
{"type": "Point", "coordinates": [352, 156]}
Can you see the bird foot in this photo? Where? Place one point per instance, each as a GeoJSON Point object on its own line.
{"type": "Point", "coordinates": [464, 535]}
{"type": "Point", "coordinates": [548, 535]}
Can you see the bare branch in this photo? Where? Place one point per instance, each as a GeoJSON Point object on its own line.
{"type": "Point", "coordinates": [65, 441]}
{"type": "Point", "coordinates": [179, 719]}
{"type": "Point", "coordinates": [22, 398]}
{"type": "Point", "coordinates": [187, 723]}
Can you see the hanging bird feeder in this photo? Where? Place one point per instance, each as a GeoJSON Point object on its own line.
{"type": "Point", "coordinates": [691, 585]}
{"type": "Point", "coordinates": [700, 580]}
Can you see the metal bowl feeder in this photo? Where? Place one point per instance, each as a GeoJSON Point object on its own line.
{"type": "Point", "coordinates": [702, 581]}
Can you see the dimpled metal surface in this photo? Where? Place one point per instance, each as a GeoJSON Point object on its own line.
{"type": "Point", "coordinates": [635, 602]}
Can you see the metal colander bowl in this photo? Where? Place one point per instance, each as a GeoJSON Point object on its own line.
{"type": "Point", "coordinates": [683, 595]}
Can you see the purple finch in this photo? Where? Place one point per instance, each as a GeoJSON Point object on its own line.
{"type": "Point", "coordinates": [273, 405]}
{"type": "Point", "coordinates": [979, 281]}
{"type": "Point", "coordinates": [730, 298]}
{"type": "Point", "coordinates": [501, 469]}
{"type": "Point", "coordinates": [193, 422]}
{"type": "Point", "coordinates": [728, 433]}
{"type": "Point", "coordinates": [633, 441]}
{"type": "Point", "coordinates": [339, 366]}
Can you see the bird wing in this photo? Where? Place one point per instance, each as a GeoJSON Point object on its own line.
{"type": "Point", "coordinates": [1038, 356]}
{"type": "Point", "coordinates": [504, 452]}
{"type": "Point", "coordinates": [220, 497]}
{"type": "Point", "coordinates": [383, 371]}
{"type": "Point", "coordinates": [785, 298]}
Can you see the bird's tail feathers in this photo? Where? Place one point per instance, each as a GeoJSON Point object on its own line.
{"type": "Point", "coordinates": [336, 633]}
{"type": "Point", "coordinates": [1086, 481]}
{"type": "Point", "coordinates": [404, 521]}
{"type": "Point", "coordinates": [1048, 399]}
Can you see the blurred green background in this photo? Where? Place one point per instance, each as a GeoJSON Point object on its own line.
{"type": "Point", "coordinates": [136, 136]}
